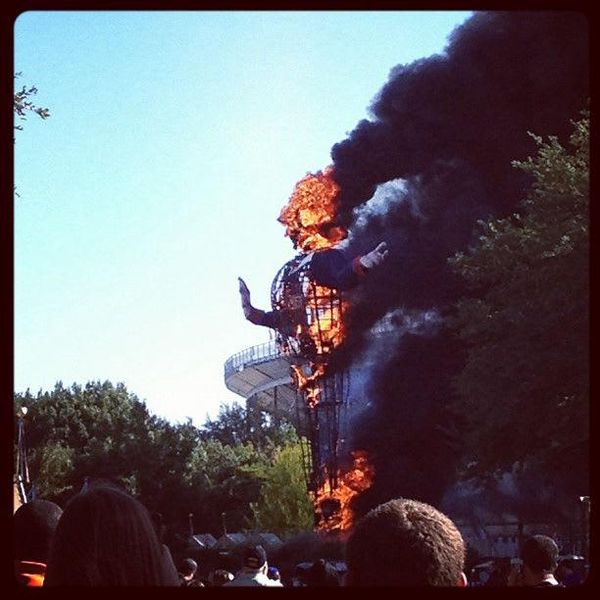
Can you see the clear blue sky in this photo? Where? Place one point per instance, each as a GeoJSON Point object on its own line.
{"type": "Point", "coordinates": [174, 140]}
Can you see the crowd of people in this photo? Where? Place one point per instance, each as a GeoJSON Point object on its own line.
{"type": "Point", "coordinates": [105, 537]}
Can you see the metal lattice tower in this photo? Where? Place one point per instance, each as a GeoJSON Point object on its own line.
{"type": "Point", "coordinates": [309, 330]}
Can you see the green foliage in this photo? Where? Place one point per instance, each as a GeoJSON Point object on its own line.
{"type": "Point", "coordinates": [225, 480]}
{"type": "Point", "coordinates": [284, 506]}
{"type": "Point", "coordinates": [99, 427]}
{"type": "Point", "coordinates": [524, 388]}
{"type": "Point", "coordinates": [22, 104]}
{"type": "Point", "coordinates": [102, 430]}
{"type": "Point", "coordinates": [238, 425]}
{"type": "Point", "coordinates": [55, 470]}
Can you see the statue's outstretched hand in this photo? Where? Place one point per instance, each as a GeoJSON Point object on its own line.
{"type": "Point", "coordinates": [244, 291]}
{"type": "Point", "coordinates": [245, 296]}
{"type": "Point", "coordinates": [375, 257]}
{"type": "Point", "coordinates": [254, 315]}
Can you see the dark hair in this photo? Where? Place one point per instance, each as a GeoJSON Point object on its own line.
{"type": "Point", "coordinates": [34, 525]}
{"type": "Point", "coordinates": [254, 557]}
{"type": "Point", "coordinates": [188, 566]}
{"type": "Point", "coordinates": [322, 574]}
{"type": "Point", "coordinates": [219, 577]}
{"type": "Point", "coordinates": [106, 537]}
{"type": "Point", "coordinates": [403, 543]}
{"type": "Point", "coordinates": [540, 553]}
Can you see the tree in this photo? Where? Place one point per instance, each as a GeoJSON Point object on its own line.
{"type": "Point", "coordinates": [225, 481]}
{"type": "Point", "coordinates": [99, 430]}
{"type": "Point", "coordinates": [238, 425]}
{"type": "Point", "coordinates": [102, 430]}
{"type": "Point", "coordinates": [284, 507]}
{"type": "Point", "coordinates": [22, 105]}
{"type": "Point", "coordinates": [55, 470]}
{"type": "Point", "coordinates": [524, 389]}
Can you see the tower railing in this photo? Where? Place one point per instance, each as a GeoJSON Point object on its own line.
{"type": "Point", "coordinates": [251, 356]}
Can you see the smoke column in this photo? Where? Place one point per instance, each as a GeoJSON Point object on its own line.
{"type": "Point", "coordinates": [434, 157]}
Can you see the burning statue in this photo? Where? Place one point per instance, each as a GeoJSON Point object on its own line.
{"type": "Point", "coordinates": [305, 295]}
{"type": "Point", "coordinates": [307, 314]}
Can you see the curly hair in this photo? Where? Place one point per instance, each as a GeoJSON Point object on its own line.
{"type": "Point", "coordinates": [405, 543]}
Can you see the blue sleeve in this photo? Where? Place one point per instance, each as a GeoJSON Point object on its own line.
{"type": "Point", "coordinates": [332, 269]}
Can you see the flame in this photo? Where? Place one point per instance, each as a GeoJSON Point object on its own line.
{"type": "Point", "coordinates": [351, 483]}
{"type": "Point", "coordinates": [310, 221]}
{"type": "Point", "coordinates": [326, 319]}
{"type": "Point", "coordinates": [309, 383]}
{"type": "Point", "coordinates": [309, 216]}
{"type": "Point", "coordinates": [325, 329]}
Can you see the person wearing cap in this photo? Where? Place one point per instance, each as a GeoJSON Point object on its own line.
{"type": "Point", "coordinates": [254, 570]}
{"type": "Point", "coordinates": [273, 573]}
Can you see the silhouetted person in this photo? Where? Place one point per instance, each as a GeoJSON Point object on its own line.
{"type": "Point", "coordinates": [322, 574]}
{"type": "Point", "coordinates": [35, 523]}
{"type": "Point", "coordinates": [539, 555]}
{"type": "Point", "coordinates": [567, 574]}
{"type": "Point", "coordinates": [187, 573]}
{"type": "Point", "coordinates": [274, 574]}
{"type": "Point", "coordinates": [500, 573]}
{"type": "Point", "coordinates": [405, 543]}
{"type": "Point", "coordinates": [254, 570]}
{"type": "Point", "coordinates": [105, 537]}
{"type": "Point", "coordinates": [219, 577]}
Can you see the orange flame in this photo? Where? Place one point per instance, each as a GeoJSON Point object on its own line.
{"type": "Point", "coordinates": [351, 483]}
{"type": "Point", "coordinates": [309, 216]}
{"type": "Point", "coordinates": [309, 383]}
{"type": "Point", "coordinates": [326, 319]}
{"type": "Point", "coordinates": [310, 221]}
{"type": "Point", "coordinates": [325, 328]}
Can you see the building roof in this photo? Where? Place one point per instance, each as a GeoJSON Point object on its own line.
{"type": "Point", "coordinates": [203, 540]}
{"type": "Point", "coordinates": [230, 540]}
{"type": "Point", "coordinates": [269, 541]}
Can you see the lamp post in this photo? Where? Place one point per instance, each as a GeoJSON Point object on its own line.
{"type": "Point", "coordinates": [22, 475]}
{"type": "Point", "coordinates": [585, 501]}
{"type": "Point", "coordinates": [191, 523]}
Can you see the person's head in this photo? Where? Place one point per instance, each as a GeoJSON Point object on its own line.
{"type": "Point", "coordinates": [322, 574]}
{"type": "Point", "coordinates": [540, 557]}
{"type": "Point", "coordinates": [188, 568]}
{"type": "Point", "coordinates": [106, 537]}
{"type": "Point", "coordinates": [34, 525]}
{"type": "Point", "coordinates": [219, 577]}
{"type": "Point", "coordinates": [405, 543]}
{"type": "Point", "coordinates": [255, 559]}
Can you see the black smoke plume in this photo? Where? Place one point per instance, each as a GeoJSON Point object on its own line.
{"type": "Point", "coordinates": [437, 151]}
